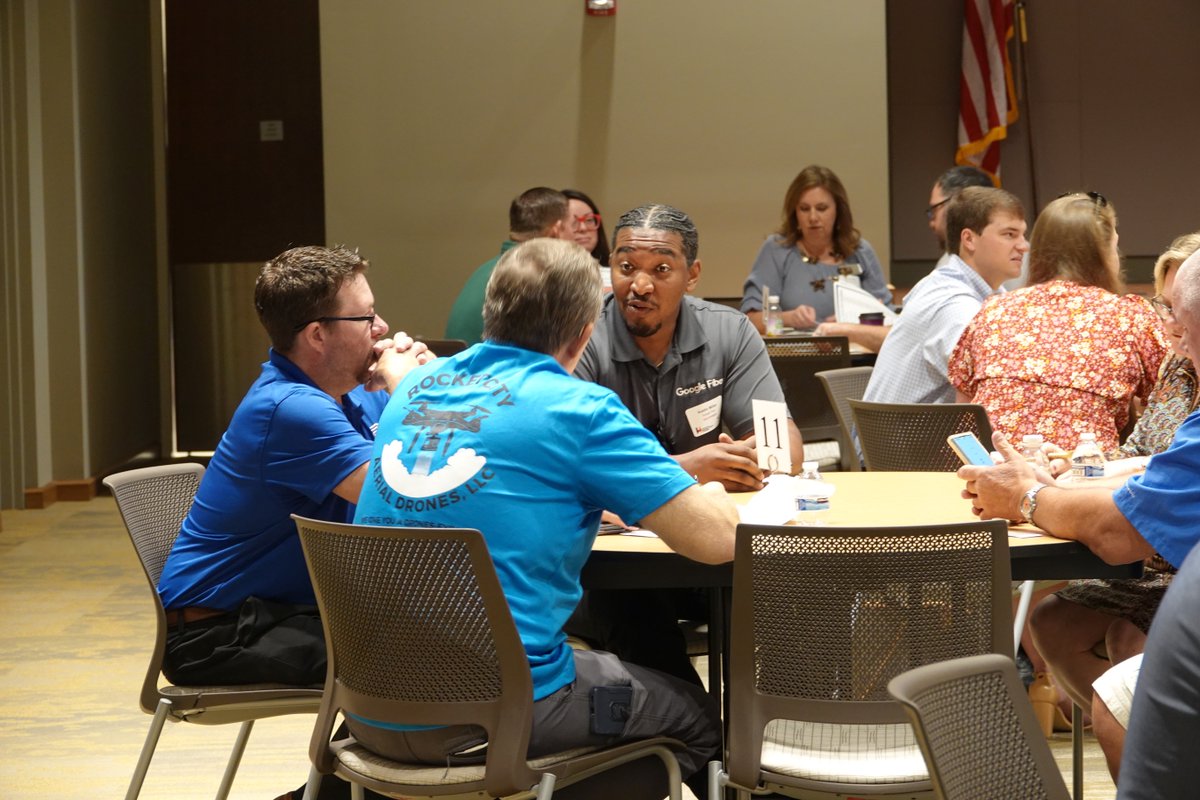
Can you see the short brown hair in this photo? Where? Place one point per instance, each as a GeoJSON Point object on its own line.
{"type": "Point", "coordinates": [845, 236]}
{"type": "Point", "coordinates": [1072, 241]}
{"type": "Point", "coordinates": [301, 285]}
{"type": "Point", "coordinates": [973, 209]}
{"type": "Point", "coordinates": [535, 210]}
{"type": "Point", "coordinates": [541, 295]}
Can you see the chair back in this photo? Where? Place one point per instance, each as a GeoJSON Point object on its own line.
{"type": "Point", "coordinates": [796, 362]}
{"type": "Point", "coordinates": [418, 632]}
{"type": "Point", "coordinates": [445, 347]}
{"type": "Point", "coordinates": [977, 730]}
{"type": "Point", "coordinates": [824, 617]}
{"type": "Point", "coordinates": [911, 437]}
{"type": "Point", "coordinates": [841, 386]}
{"type": "Point", "coordinates": [153, 502]}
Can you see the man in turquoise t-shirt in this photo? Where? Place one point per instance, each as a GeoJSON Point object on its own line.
{"type": "Point", "coordinates": [537, 212]}
{"type": "Point", "coordinates": [503, 439]}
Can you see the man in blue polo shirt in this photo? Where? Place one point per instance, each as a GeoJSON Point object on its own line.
{"type": "Point", "coordinates": [1156, 511]}
{"type": "Point", "coordinates": [239, 602]}
{"type": "Point", "coordinates": [501, 438]}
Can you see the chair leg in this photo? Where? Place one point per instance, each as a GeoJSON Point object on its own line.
{"type": "Point", "coordinates": [715, 782]}
{"type": "Point", "coordinates": [235, 759]}
{"type": "Point", "coordinates": [314, 784]}
{"type": "Point", "coordinates": [143, 764]}
{"type": "Point", "coordinates": [1022, 612]}
{"type": "Point", "coordinates": [546, 786]}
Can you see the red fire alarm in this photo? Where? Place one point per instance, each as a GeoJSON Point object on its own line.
{"type": "Point", "coordinates": [601, 8]}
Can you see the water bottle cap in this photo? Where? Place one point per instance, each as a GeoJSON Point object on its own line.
{"type": "Point", "coordinates": [1032, 437]}
{"type": "Point", "coordinates": [810, 466]}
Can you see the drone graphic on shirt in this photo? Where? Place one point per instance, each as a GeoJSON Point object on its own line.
{"type": "Point", "coordinates": [434, 440]}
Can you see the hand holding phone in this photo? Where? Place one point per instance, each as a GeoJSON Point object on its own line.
{"type": "Point", "coordinates": [968, 447]}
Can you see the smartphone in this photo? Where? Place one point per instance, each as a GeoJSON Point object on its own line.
{"type": "Point", "coordinates": [610, 706]}
{"type": "Point", "coordinates": [970, 449]}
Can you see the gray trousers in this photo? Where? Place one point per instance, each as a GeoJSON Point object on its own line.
{"type": "Point", "coordinates": [662, 706]}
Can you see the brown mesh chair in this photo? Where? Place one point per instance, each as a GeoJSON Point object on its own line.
{"type": "Point", "coordinates": [911, 437]}
{"type": "Point", "coordinates": [977, 730]}
{"type": "Point", "coordinates": [419, 632]}
{"type": "Point", "coordinates": [796, 362]}
{"type": "Point", "coordinates": [153, 502]}
{"type": "Point", "coordinates": [841, 386]}
{"type": "Point", "coordinates": [823, 618]}
{"type": "Point", "coordinates": [445, 347]}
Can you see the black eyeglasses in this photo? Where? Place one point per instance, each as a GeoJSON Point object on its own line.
{"type": "Point", "coordinates": [929, 212]}
{"type": "Point", "coordinates": [364, 318]}
{"type": "Point", "coordinates": [1100, 200]}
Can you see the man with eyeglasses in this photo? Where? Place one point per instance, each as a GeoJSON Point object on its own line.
{"type": "Point", "coordinates": [240, 606]}
{"type": "Point", "coordinates": [536, 213]}
{"type": "Point", "coordinates": [948, 184]}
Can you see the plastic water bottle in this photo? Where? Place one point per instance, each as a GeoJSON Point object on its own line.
{"type": "Point", "coordinates": [1087, 462]}
{"type": "Point", "coordinates": [812, 495]}
{"type": "Point", "coordinates": [773, 316]}
{"type": "Point", "coordinates": [1031, 449]}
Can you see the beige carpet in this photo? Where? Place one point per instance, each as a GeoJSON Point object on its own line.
{"type": "Point", "coordinates": [76, 623]}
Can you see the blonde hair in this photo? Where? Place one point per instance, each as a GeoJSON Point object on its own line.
{"type": "Point", "coordinates": [1173, 256]}
{"type": "Point", "coordinates": [1072, 241]}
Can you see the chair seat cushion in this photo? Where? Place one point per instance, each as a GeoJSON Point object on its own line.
{"type": "Point", "coordinates": [827, 454]}
{"type": "Point", "coordinates": [843, 753]}
{"type": "Point", "coordinates": [359, 759]}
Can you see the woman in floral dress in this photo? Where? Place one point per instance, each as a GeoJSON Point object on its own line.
{"type": "Point", "coordinates": [1068, 353]}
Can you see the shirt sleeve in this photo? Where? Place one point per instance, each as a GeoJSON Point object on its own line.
{"type": "Point", "coordinates": [616, 447]}
{"type": "Point", "coordinates": [750, 377]}
{"type": "Point", "coordinates": [872, 275]}
{"type": "Point", "coordinates": [1161, 503]}
{"type": "Point", "coordinates": [1152, 347]}
{"type": "Point", "coordinates": [767, 271]}
{"type": "Point", "coordinates": [311, 447]}
{"type": "Point", "coordinates": [960, 367]}
{"type": "Point", "coordinates": [946, 328]}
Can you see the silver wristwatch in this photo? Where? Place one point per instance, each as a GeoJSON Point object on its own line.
{"type": "Point", "coordinates": [1029, 502]}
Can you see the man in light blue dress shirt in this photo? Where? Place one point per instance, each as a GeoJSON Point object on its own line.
{"type": "Point", "coordinates": [986, 231]}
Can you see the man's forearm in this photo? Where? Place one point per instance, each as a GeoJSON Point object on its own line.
{"type": "Point", "coordinates": [1089, 516]}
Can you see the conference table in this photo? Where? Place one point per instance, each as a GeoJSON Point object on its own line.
{"type": "Point", "coordinates": [623, 561]}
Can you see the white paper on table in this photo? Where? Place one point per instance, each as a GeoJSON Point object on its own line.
{"type": "Point", "coordinates": [774, 504]}
{"type": "Point", "coordinates": [771, 439]}
{"type": "Point", "coordinates": [850, 301]}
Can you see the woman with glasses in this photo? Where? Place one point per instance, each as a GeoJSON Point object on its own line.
{"type": "Point", "coordinates": [1070, 352]}
{"type": "Point", "coordinates": [1112, 617]}
{"type": "Point", "coordinates": [815, 245]}
{"type": "Point", "coordinates": [589, 226]}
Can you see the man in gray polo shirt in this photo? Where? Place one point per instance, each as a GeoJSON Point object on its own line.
{"type": "Point", "coordinates": [687, 369]}
{"type": "Point", "coordinates": [684, 367]}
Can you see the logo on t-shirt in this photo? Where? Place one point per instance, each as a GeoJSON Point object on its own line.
{"type": "Point", "coordinates": [437, 428]}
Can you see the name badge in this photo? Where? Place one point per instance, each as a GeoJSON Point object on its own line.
{"type": "Point", "coordinates": [705, 417]}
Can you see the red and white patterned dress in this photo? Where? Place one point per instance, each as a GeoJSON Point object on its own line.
{"type": "Point", "coordinates": [1059, 359]}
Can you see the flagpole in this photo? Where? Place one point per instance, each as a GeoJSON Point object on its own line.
{"type": "Point", "coordinates": [1022, 66]}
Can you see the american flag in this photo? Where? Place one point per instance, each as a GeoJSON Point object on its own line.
{"type": "Point", "coordinates": [987, 99]}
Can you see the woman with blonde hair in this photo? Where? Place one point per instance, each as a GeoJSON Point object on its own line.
{"type": "Point", "coordinates": [1069, 353]}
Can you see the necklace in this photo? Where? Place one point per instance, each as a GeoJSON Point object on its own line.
{"type": "Point", "coordinates": [827, 256]}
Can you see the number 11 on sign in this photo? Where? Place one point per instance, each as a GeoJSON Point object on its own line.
{"type": "Point", "coordinates": [771, 436]}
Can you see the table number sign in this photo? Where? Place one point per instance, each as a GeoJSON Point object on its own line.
{"type": "Point", "coordinates": [771, 436]}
